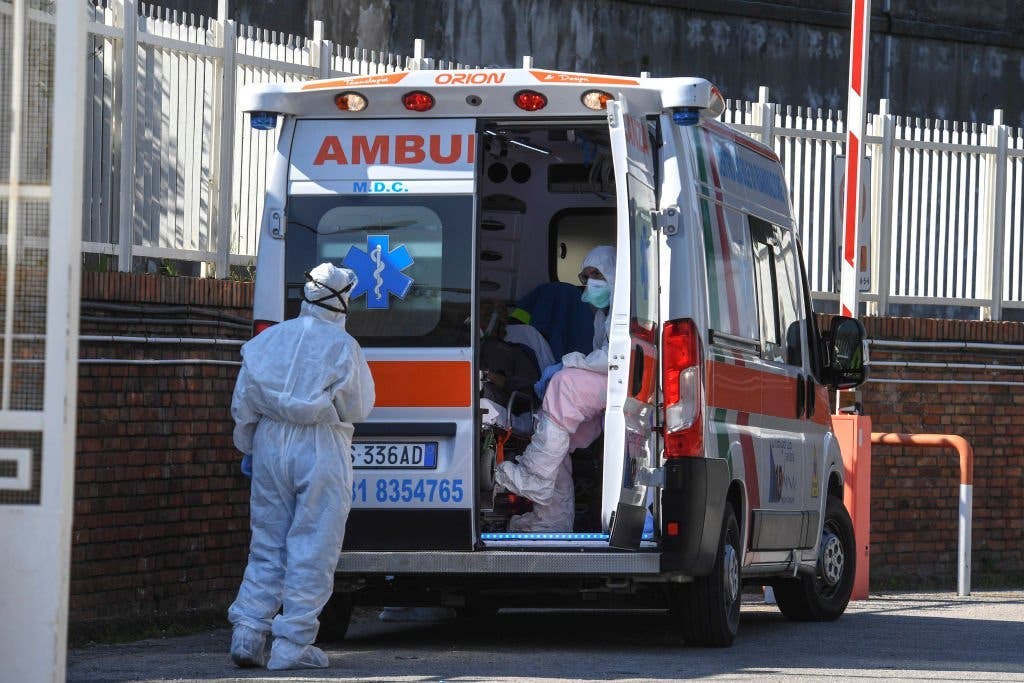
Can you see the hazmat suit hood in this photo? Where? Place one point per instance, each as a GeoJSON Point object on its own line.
{"type": "Point", "coordinates": [326, 293]}
{"type": "Point", "coordinates": [603, 259]}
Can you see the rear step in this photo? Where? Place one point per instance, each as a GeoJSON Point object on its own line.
{"type": "Point", "coordinates": [547, 536]}
{"type": "Point", "coordinates": [547, 561]}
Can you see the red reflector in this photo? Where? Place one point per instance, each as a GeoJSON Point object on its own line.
{"type": "Point", "coordinates": [260, 325]}
{"type": "Point", "coordinates": [672, 529]}
{"type": "Point", "coordinates": [418, 100]}
{"type": "Point", "coordinates": [530, 100]}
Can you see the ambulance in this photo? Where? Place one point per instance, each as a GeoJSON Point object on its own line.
{"type": "Point", "coordinates": [717, 465]}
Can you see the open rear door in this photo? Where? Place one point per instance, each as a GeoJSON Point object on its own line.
{"type": "Point", "coordinates": [377, 196]}
{"type": "Point", "coordinates": [632, 344]}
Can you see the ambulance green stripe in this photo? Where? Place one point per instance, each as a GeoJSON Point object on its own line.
{"type": "Point", "coordinates": [719, 419]}
{"type": "Point", "coordinates": [709, 235]}
{"type": "Point", "coordinates": [700, 154]}
{"type": "Point", "coordinates": [709, 259]}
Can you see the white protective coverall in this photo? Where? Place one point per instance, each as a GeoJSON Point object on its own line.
{"type": "Point", "coordinates": [570, 418]}
{"type": "Point", "coordinates": [302, 384]}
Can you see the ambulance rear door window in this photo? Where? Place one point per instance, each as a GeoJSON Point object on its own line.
{"type": "Point", "coordinates": [411, 254]}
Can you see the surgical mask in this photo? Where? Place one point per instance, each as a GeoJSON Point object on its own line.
{"type": "Point", "coordinates": [598, 293]}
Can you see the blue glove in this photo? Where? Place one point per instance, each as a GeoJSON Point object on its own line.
{"type": "Point", "coordinates": [545, 377]}
{"type": "Point", "coordinates": [247, 465]}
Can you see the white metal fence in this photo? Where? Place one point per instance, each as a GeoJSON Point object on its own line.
{"type": "Point", "coordinates": [946, 216]}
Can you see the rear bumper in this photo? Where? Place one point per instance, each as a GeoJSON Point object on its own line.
{"type": "Point", "coordinates": [694, 498]}
{"type": "Point", "coordinates": [500, 562]}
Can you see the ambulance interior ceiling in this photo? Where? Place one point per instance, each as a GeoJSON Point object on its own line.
{"type": "Point", "coordinates": [547, 195]}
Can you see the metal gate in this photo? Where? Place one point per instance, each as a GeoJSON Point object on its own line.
{"type": "Point", "coordinates": [42, 95]}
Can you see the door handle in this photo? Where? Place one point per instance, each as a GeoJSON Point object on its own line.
{"type": "Point", "coordinates": [801, 390]}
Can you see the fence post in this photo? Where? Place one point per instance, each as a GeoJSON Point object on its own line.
{"type": "Point", "coordinates": [765, 117]}
{"type": "Point", "coordinates": [418, 61]}
{"type": "Point", "coordinates": [884, 194]}
{"type": "Point", "coordinates": [321, 51]}
{"type": "Point", "coordinates": [129, 77]}
{"type": "Point", "coordinates": [997, 206]}
{"type": "Point", "coordinates": [226, 140]}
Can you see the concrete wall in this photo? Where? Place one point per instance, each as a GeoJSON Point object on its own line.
{"type": "Point", "coordinates": [931, 58]}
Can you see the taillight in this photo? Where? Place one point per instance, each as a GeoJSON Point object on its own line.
{"type": "Point", "coordinates": [530, 100]}
{"type": "Point", "coordinates": [596, 99]}
{"type": "Point", "coordinates": [681, 389]}
{"type": "Point", "coordinates": [418, 100]}
{"type": "Point", "coordinates": [260, 325]}
{"type": "Point", "coordinates": [350, 101]}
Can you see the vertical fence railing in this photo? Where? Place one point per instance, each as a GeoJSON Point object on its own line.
{"type": "Point", "coordinates": [225, 135]}
{"type": "Point", "coordinates": [171, 172]}
{"type": "Point", "coordinates": [947, 223]}
{"type": "Point", "coordinates": [127, 13]}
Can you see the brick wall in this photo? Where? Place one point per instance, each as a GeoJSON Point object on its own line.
{"type": "Point", "coordinates": [915, 491]}
{"type": "Point", "coordinates": [161, 510]}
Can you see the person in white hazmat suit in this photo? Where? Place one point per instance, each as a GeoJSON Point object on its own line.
{"type": "Point", "coordinates": [302, 384]}
{"type": "Point", "coordinates": [570, 415]}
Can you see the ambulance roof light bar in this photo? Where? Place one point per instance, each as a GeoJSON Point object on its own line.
{"type": "Point", "coordinates": [690, 94]}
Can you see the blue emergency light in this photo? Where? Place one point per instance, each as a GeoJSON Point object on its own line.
{"type": "Point", "coordinates": [263, 120]}
{"type": "Point", "coordinates": [686, 116]}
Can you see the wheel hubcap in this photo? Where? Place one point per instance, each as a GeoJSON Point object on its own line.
{"type": "Point", "coordinates": [732, 573]}
{"type": "Point", "coordinates": [832, 558]}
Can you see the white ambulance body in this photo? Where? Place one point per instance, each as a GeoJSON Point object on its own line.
{"type": "Point", "coordinates": [445, 189]}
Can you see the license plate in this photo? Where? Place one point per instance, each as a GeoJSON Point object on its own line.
{"type": "Point", "coordinates": [395, 455]}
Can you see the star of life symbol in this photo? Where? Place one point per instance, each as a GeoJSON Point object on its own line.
{"type": "Point", "coordinates": [379, 270]}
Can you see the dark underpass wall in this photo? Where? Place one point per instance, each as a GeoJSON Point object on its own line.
{"type": "Point", "coordinates": [798, 48]}
{"type": "Point", "coordinates": [161, 510]}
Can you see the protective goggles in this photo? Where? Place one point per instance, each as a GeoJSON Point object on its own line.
{"type": "Point", "coordinates": [333, 293]}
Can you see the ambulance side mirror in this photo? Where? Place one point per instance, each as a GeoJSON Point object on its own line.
{"type": "Point", "coordinates": [846, 350]}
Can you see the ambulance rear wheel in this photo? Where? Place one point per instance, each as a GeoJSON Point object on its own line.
{"type": "Point", "coordinates": [824, 596]}
{"type": "Point", "coordinates": [709, 608]}
{"type": "Point", "coordinates": [335, 618]}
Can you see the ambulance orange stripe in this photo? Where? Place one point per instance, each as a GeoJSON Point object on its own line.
{"type": "Point", "coordinates": [749, 390]}
{"type": "Point", "coordinates": [357, 81]}
{"type": "Point", "coordinates": [422, 384]}
{"type": "Point", "coordinates": [563, 77]}
{"type": "Point", "coordinates": [733, 387]}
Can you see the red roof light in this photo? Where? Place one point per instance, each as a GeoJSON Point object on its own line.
{"type": "Point", "coordinates": [417, 100]}
{"type": "Point", "coordinates": [530, 100]}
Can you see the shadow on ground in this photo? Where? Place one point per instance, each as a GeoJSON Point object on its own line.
{"type": "Point", "coordinates": [936, 636]}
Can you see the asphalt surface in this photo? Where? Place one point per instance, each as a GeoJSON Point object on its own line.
{"type": "Point", "coordinates": [907, 636]}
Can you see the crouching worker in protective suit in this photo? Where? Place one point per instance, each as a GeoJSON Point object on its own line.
{"type": "Point", "coordinates": [570, 416]}
{"type": "Point", "coordinates": [302, 384]}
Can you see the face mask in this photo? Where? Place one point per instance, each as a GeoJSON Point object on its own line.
{"type": "Point", "coordinates": [598, 293]}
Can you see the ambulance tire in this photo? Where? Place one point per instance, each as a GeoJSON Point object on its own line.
{"type": "Point", "coordinates": [817, 597]}
{"type": "Point", "coordinates": [335, 618]}
{"type": "Point", "coordinates": [709, 607]}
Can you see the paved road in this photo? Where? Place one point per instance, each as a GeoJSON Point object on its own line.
{"type": "Point", "coordinates": [917, 636]}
